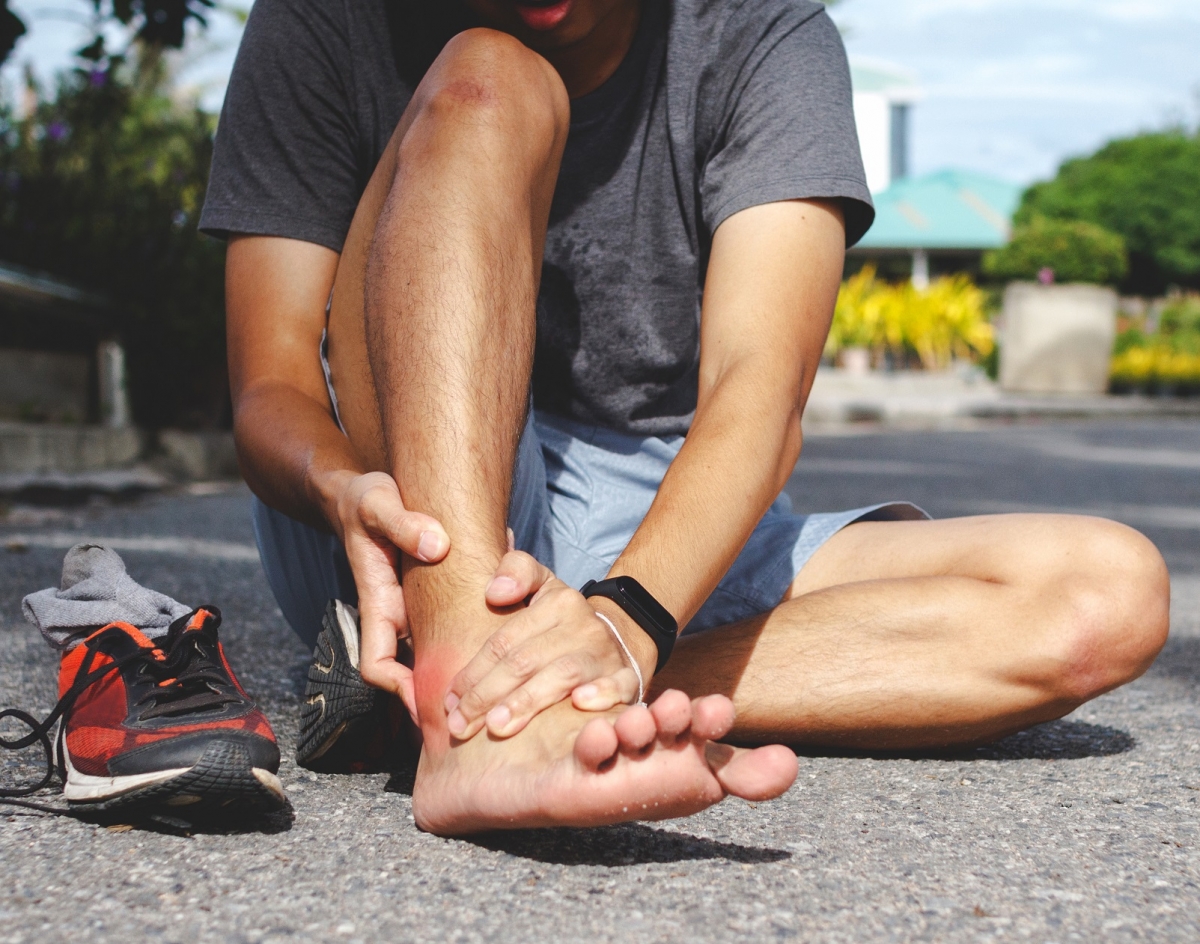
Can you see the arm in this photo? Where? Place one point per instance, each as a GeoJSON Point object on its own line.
{"type": "Point", "coordinates": [772, 282]}
{"type": "Point", "coordinates": [292, 453]}
{"type": "Point", "coordinates": [770, 291]}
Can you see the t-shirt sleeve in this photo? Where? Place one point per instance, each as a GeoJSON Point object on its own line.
{"type": "Point", "coordinates": [284, 162]}
{"type": "Point", "coordinates": [783, 126]}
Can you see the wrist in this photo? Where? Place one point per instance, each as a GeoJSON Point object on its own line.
{"type": "Point", "coordinates": [638, 641]}
{"type": "Point", "coordinates": [326, 490]}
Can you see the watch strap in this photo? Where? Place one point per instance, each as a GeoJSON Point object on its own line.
{"type": "Point", "coordinates": [640, 606]}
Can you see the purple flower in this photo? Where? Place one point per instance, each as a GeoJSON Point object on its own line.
{"type": "Point", "coordinates": [1046, 276]}
{"type": "Point", "coordinates": [98, 78]}
{"type": "Point", "coordinates": [56, 130]}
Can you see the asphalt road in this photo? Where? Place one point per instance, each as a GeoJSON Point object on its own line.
{"type": "Point", "coordinates": [1085, 829]}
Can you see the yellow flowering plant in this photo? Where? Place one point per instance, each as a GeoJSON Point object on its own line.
{"type": "Point", "coordinates": [946, 322]}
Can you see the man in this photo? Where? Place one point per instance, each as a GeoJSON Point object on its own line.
{"type": "Point", "coordinates": [634, 211]}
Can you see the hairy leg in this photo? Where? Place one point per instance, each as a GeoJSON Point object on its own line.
{"type": "Point", "coordinates": [932, 633]}
{"type": "Point", "coordinates": [431, 345]}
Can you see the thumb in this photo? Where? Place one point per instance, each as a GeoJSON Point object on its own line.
{"type": "Point", "coordinates": [517, 576]}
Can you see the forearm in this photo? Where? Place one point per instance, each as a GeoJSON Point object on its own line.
{"type": "Point", "coordinates": [742, 446]}
{"type": "Point", "coordinates": [292, 454]}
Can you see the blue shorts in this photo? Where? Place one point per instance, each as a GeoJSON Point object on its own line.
{"type": "Point", "coordinates": [579, 493]}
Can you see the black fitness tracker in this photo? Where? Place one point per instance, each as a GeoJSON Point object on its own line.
{"type": "Point", "coordinates": [642, 608]}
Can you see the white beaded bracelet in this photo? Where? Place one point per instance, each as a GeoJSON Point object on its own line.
{"type": "Point", "coordinates": [641, 699]}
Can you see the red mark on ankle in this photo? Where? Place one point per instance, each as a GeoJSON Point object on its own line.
{"type": "Point", "coordinates": [434, 668]}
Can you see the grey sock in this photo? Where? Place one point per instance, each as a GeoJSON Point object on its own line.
{"type": "Point", "coordinates": [96, 591]}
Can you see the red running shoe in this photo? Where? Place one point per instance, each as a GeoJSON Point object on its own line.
{"type": "Point", "coordinates": [164, 728]}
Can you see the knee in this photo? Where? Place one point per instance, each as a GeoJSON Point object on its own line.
{"type": "Point", "coordinates": [494, 83]}
{"type": "Point", "coordinates": [1112, 594]}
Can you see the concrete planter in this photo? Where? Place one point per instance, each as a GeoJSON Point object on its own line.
{"type": "Point", "coordinates": [1057, 338]}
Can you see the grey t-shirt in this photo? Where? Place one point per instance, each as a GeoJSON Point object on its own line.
{"type": "Point", "coordinates": [717, 107]}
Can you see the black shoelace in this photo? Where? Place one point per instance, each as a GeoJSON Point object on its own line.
{"type": "Point", "coordinates": [187, 681]}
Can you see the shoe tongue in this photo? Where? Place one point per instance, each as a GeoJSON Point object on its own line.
{"type": "Point", "coordinates": [204, 619]}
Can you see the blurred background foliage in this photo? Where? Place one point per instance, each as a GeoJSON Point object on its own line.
{"type": "Point", "coordinates": [899, 323]}
{"type": "Point", "coordinates": [1146, 189]}
{"type": "Point", "coordinates": [1164, 356]}
{"type": "Point", "coordinates": [101, 184]}
{"type": "Point", "coordinates": [1061, 251]}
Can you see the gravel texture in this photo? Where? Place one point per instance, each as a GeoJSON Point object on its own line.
{"type": "Point", "coordinates": [1084, 829]}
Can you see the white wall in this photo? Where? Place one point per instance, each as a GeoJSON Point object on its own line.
{"type": "Point", "coordinates": [873, 115]}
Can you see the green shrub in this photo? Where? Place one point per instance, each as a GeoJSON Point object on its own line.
{"type": "Point", "coordinates": [1145, 188]}
{"type": "Point", "coordinates": [1165, 362]}
{"type": "Point", "coordinates": [1180, 319]}
{"type": "Point", "coordinates": [102, 186]}
{"type": "Point", "coordinates": [1073, 251]}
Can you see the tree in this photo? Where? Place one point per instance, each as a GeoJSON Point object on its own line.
{"type": "Point", "coordinates": [156, 22]}
{"type": "Point", "coordinates": [1147, 190]}
{"type": "Point", "coordinates": [102, 186]}
{"type": "Point", "coordinates": [1069, 250]}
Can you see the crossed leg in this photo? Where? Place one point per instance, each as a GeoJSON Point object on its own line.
{"type": "Point", "coordinates": [431, 345]}
{"type": "Point", "coordinates": [934, 633]}
{"type": "Point", "coordinates": [894, 635]}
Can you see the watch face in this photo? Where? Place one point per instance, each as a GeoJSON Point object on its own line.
{"type": "Point", "coordinates": [641, 598]}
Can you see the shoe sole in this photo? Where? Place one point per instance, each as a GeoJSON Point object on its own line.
{"type": "Point", "coordinates": [222, 782]}
{"type": "Point", "coordinates": [339, 709]}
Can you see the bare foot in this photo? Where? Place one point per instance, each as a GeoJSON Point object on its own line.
{"type": "Point", "coordinates": [574, 768]}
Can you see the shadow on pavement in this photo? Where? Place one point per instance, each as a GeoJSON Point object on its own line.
{"type": "Point", "coordinates": [163, 823]}
{"type": "Point", "coordinates": [627, 844]}
{"type": "Point", "coordinates": [611, 846]}
{"type": "Point", "coordinates": [1055, 740]}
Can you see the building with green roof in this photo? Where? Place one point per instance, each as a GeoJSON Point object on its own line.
{"type": "Point", "coordinates": [944, 221]}
{"type": "Point", "coordinates": [950, 217]}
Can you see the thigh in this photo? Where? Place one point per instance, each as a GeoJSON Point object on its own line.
{"type": "Point", "coordinates": [1005, 549]}
{"type": "Point", "coordinates": [349, 364]}
{"type": "Point", "coordinates": [349, 359]}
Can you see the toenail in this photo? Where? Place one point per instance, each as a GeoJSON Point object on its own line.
{"type": "Point", "coordinates": [587, 692]}
{"type": "Point", "coordinates": [451, 702]}
{"type": "Point", "coordinates": [456, 722]}
{"type": "Point", "coordinates": [499, 716]}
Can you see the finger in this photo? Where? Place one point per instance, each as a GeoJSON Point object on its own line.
{"type": "Point", "coordinates": [517, 576]}
{"type": "Point", "coordinates": [497, 647]}
{"type": "Point", "coordinates": [548, 687]}
{"type": "Point", "coordinates": [416, 534]}
{"type": "Point", "coordinates": [520, 627]}
{"type": "Point", "coordinates": [621, 688]}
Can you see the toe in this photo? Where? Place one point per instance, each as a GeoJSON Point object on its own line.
{"type": "Point", "coordinates": [712, 717]}
{"type": "Point", "coordinates": [672, 713]}
{"type": "Point", "coordinates": [596, 744]}
{"type": "Point", "coordinates": [761, 774]}
{"type": "Point", "coordinates": [635, 728]}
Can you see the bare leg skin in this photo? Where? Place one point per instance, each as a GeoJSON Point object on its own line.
{"type": "Point", "coordinates": [432, 334]}
{"type": "Point", "coordinates": [922, 634]}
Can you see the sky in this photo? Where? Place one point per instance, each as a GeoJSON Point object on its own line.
{"type": "Point", "coordinates": [1013, 87]}
{"type": "Point", "coordinates": [1010, 87]}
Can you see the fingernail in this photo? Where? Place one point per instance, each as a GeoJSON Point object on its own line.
{"type": "Point", "coordinates": [499, 717]}
{"type": "Point", "coordinates": [430, 546]}
{"type": "Point", "coordinates": [456, 723]}
{"type": "Point", "coordinates": [505, 586]}
{"type": "Point", "coordinates": [451, 702]}
{"type": "Point", "coordinates": [587, 692]}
